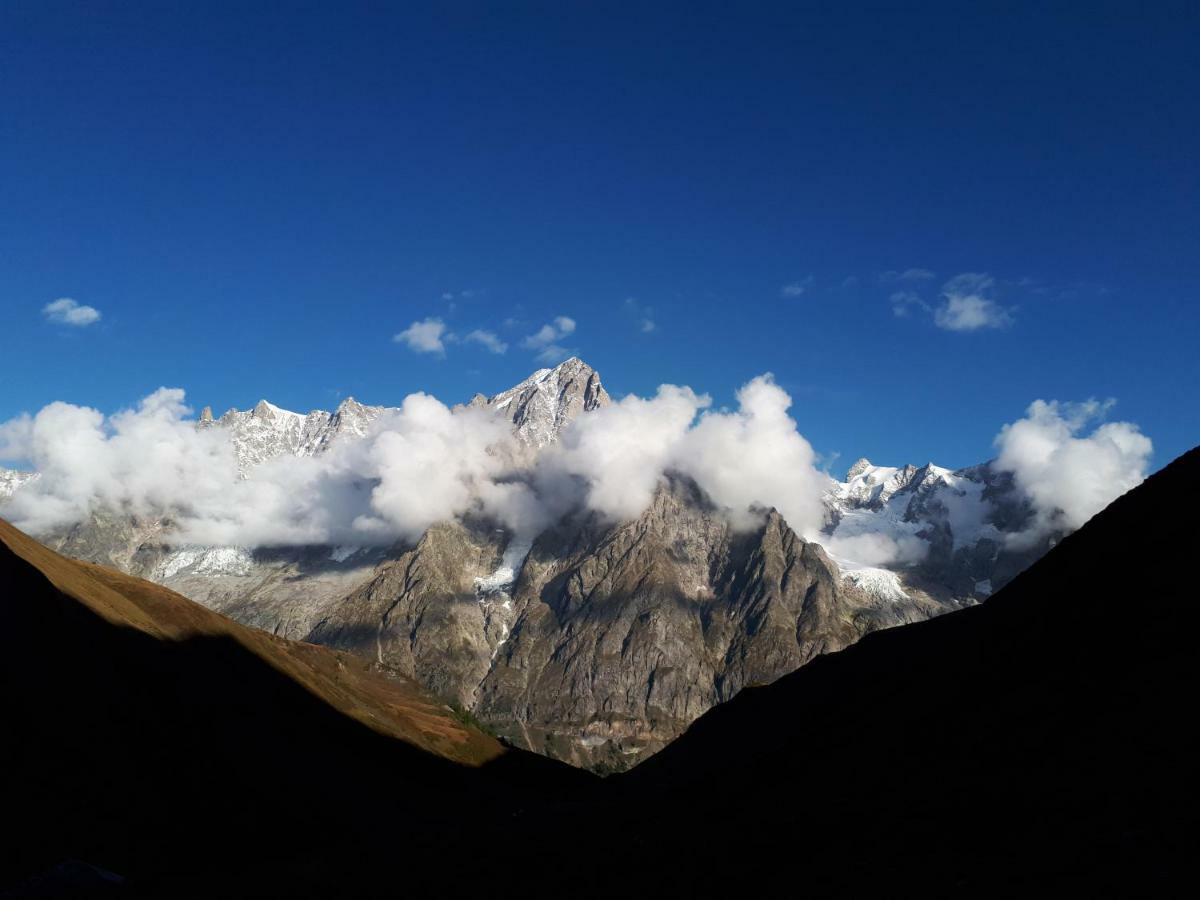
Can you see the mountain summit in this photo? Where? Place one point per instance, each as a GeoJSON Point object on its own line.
{"type": "Point", "coordinates": [548, 400]}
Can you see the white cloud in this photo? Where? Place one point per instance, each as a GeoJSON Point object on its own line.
{"type": "Point", "coordinates": [644, 315]}
{"type": "Point", "coordinates": [545, 341]}
{"type": "Point", "coordinates": [903, 302]}
{"type": "Point", "coordinates": [1069, 478]}
{"type": "Point", "coordinates": [66, 311]}
{"type": "Point", "coordinates": [425, 336]}
{"type": "Point", "coordinates": [420, 464]}
{"type": "Point", "coordinates": [488, 339]}
{"type": "Point", "coordinates": [618, 454]}
{"type": "Point", "coordinates": [875, 548]}
{"type": "Point", "coordinates": [16, 438]}
{"type": "Point", "coordinates": [797, 288]}
{"type": "Point", "coordinates": [966, 307]}
{"type": "Point", "coordinates": [426, 463]}
{"type": "Point", "coordinates": [756, 458]}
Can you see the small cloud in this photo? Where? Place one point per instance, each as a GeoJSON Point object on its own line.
{"type": "Point", "coordinates": [643, 314]}
{"type": "Point", "coordinates": [425, 336]}
{"type": "Point", "coordinates": [850, 281]}
{"type": "Point", "coordinates": [892, 275]}
{"type": "Point", "coordinates": [545, 341]}
{"type": "Point", "coordinates": [796, 288]}
{"type": "Point", "coordinates": [966, 307]}
{"type": "Point", "coordinates": [66, 311]}
{"type": "Point", "coordinates": [487, 339]}
{"type": "Point", "coordinates": [903, 302]}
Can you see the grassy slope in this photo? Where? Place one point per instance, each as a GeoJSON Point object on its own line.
{"type": "Point", "coordinates": [394, 707]}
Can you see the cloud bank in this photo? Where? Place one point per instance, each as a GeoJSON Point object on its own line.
{"type": "Point", "coordinates": [425, 463]}
{"type": "Point", "coordinates": [420, 464]}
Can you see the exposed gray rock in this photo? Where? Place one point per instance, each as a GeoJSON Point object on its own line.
{"type": "Point", "coordinates": [597, 642]}
{"type": "Point", "coordinates": [548, 400]}
{"type": "Point", "coordinates": [616, 637]}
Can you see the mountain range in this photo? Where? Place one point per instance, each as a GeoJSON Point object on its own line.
{"type": "Point", "coordinates": [593, 642]}
{"type": "Point", "coordinates": [1037, 741]}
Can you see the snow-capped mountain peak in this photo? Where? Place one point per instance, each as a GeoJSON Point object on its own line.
{"type": "Point", "coordinates": [543, 404]}
{"type": "Point", "coordinates": [11, 479]}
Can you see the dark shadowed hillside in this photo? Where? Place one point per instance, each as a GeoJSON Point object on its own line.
{"type": "Point", "coordinates": [156, 739]}
{"type": "Point", "coordinates": [1041, 738]}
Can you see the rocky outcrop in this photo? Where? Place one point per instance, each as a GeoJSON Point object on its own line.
{"type": "Point", "coordinates": [612, 639]}
{"type": "Point", "coordinates": [267, 431]}
{"type": "Point", "coordinates": [542, 405]}
{"type": "Point", "coordinates": [11, 479]}
{"type": "Point", "coordinates": [596, 642]}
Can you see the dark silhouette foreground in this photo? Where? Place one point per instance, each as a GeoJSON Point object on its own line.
{"type": "Point", "coordinates": [1039, 740]}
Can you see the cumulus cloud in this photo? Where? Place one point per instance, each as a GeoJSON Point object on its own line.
{"type": "Point", "coordinates": [140, 461]}
{"type": "Point", "coordinates": [425, 336]}
{"type": "Point", "coordinates": [16, 438]}
{"type": "Point", "coordinates": [424, 463]}
{"type": "Point", "coordinates": [488, 339]}
{"type": "Point", "coordinates": [545, 341]}
{"type": "Point", "coordinates": [618, 455]}
{"type": "Point", "coordinates": [1067, 475]}
{"type": "Point", "coordinates": [966, 306]}
{"type": "Point", "coordinates": [66, 311]}
{"type": "Point", "coordinates": [755, 458]}
{"type": "Point", "coordinates": [418, 465]}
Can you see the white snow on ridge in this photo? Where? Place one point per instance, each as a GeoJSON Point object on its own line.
{"type": "Point", "coordinates": [880, 583]}
{"type": "Point", "coordinates": [508, 570]}
{"type": "Point", "coordinates": [11, 481]}
{"type": "Point", "coordinates": [206, 561]}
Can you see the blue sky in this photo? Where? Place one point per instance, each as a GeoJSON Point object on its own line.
{"type": "Point", "coordinates": [256, 201]}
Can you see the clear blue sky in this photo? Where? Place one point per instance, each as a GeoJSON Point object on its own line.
{"type": "Point", "coordinates": [257, 199]}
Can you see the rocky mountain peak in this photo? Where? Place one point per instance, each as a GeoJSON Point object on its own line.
{"type": "Point", "coordinates": [206, 416]}
{"type": "Point", "coordinates": [264, 410]}
{"type": "Point", "coordinates": [548, 400]}
{"type": "Point", "coordinates": [11, 479]}
{"type": "Point", "coordinates": [858, 468]}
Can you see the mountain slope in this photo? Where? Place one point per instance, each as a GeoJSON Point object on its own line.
{"type": "Point", "coordinates": [594, 643]}
{"type": "Point", "coordinates": [140, 726]}
{"type": "Point", "coordinates": [1041, 738]}
{"type": "Point", "coordinates": [600, 643]}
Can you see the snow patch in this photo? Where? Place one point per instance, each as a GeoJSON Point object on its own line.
{"type": "Point", "coordinates": [878, 583]}
{"type": "Point", "coordinates": [206, 561]}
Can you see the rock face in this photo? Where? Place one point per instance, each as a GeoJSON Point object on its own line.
{"type": "Point", "coordinates": [952, 528]}
{"type": "Point", "coordinates": [597, 642]}
{"type": "Point", "coordinates": [610, 639]}
{"type": "Point", "coordinates": [267, 431]}
{"type": "Point", "coordinates": [548, 400]}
